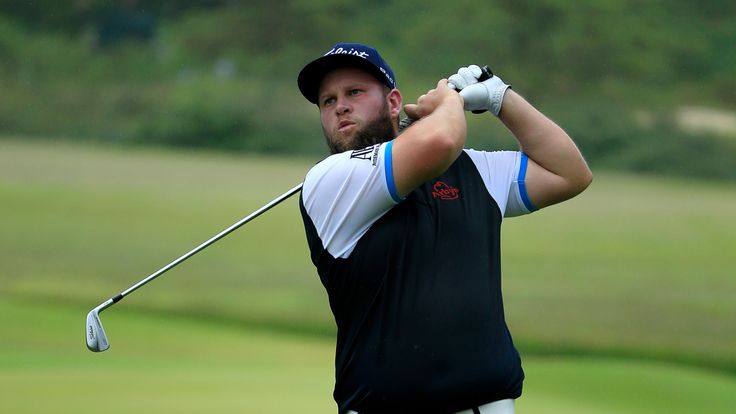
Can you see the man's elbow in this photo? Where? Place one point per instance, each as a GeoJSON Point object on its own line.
{"type": "Point", "coordinates": [446, 143]}
{"type": "Point", "coordinates": [450, 142]}
{"type": "Point", "coordinates": [580, 182]}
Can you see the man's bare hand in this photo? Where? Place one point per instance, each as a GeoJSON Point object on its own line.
{"type": "Point", "coordinates": [433, 99]}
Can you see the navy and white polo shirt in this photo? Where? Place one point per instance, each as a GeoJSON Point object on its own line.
{"type": "Point", "coordinates": [414, 283]}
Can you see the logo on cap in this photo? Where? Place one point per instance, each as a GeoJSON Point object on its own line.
{"type": "Point", "coordinates": [341, 51]}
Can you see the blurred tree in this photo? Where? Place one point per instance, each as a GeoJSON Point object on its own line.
{"type": "Point", "coordinates": [123, 21]}
{"type": "Point", "coordinates": [591, 64]}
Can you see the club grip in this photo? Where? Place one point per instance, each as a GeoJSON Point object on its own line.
{"type": "Point", "coordinates": [486, 73]}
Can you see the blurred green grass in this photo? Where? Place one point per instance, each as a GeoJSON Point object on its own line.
{"type": "Point", "coordinates": [169, 364]}
{"type": "Point", "coordinates": [636, 267]}
{"type": "Point", "coordinates": [108, 219]}
{"type": "Point", "coordinates": [156, 364]}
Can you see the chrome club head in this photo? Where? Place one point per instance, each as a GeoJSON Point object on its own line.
{"type": "Point", "coordinates": [95, 333]}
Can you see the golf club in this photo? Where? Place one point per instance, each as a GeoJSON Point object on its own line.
{"type": "Point", "coordinates": [486, 74]}
{"type": "Point", "coordinates": [95, 333]}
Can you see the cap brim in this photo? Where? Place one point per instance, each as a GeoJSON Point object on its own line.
{"type": "Point", "coordinates": [312, 74]}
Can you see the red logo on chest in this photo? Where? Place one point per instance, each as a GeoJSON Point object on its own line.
{"type": "Point", "coordinates": [445, 192]}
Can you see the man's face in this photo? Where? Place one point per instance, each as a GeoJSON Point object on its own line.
{"type": "Point", "coordinates": [356, 110]}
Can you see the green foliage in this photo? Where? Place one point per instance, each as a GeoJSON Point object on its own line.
{"type": "Point", "coordinates": [197, 115]}
{"type": "Point", "coordinates": [221, 74]}
{"type": "Point", "coordinates": [611, 137]}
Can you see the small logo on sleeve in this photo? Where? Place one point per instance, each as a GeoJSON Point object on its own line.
{"type": "Point", "coordinates": [443, 191]}
{"type": "Point", "coordinates": [368, 154]}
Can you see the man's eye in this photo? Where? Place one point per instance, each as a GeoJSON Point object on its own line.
{"type": "Point", "coordinates": [355, 91]}
{"type": "Point", "coordinates": [328, 101]}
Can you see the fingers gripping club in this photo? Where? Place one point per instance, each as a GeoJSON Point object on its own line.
{"type": "Point", "coordinates": [486, 73]}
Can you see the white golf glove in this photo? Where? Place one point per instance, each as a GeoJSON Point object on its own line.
{"type": "Point", "coordinates": [464, 77]}
{"type": "Point", "coordinates": [483, 96]}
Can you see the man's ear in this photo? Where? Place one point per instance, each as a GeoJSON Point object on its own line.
{"type": "Point", "coordinates": [394, 100]}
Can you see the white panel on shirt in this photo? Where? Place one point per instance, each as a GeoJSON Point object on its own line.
{"type": "Point", "coordinates": [500, 173]}
{"type": "Point", "coordinates": [345, 194]}
{"type": "Point", "coordinates": [348, 192]}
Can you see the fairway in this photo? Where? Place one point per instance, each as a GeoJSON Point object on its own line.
{"type": "Point", "coordinates": [620, 301]}
{"type": "Point", "coordinates": [177, 365]}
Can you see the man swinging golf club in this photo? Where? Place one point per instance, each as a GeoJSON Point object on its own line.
{"type": "Point", "coordinates": [404, 230]}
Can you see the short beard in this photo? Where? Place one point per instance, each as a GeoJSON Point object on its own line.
{"type": "Point", "coordinates": [379, 130]}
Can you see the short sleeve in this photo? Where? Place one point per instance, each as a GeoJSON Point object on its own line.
{"type": "Point", "coordinates": [504, 173]}
{"type": "Point", "coordinates": [346, 193]}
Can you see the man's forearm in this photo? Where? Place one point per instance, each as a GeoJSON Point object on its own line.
{"type": "Point", "coordinates": [544, 141]}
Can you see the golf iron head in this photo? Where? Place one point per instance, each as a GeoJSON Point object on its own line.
{"type": "Point", "coordinates": [96, 337]}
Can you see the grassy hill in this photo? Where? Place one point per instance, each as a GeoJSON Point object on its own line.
{"type": "Point", "coordinates": [635, 266]}
{"type": "Point", "coordinates": [619, 287]}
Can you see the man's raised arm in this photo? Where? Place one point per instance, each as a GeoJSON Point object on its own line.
{"type": "Point", "coordinates": [557, 170]}
{"type": "Point", "coordinates": [428, 148]}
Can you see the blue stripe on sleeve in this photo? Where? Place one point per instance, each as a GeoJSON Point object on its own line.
{"type": "Point", "coordinates": [389, 167]}
{"type": "Point", "coordinates": [522, 184]}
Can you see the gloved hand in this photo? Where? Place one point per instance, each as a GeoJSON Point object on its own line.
{"type": "Point", "coordinates": [464, 77]}
{"type": "Point", "coordinates": [486, 95]}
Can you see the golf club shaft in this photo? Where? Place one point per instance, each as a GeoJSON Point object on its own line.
{"type": "Point", "coordinates": [197, 249]}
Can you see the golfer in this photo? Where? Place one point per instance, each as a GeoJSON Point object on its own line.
{"type": "Point", "coordinates": [404, 230]}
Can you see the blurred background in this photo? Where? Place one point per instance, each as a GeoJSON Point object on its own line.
{"type": "Point", "coordinates": [131, 131]}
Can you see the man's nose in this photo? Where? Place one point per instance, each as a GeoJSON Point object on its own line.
{"type": "Point", "coordinates": [342, 107]}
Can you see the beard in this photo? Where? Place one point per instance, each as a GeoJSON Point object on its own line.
{"type": "Point", "coordinates": [379, 130]}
